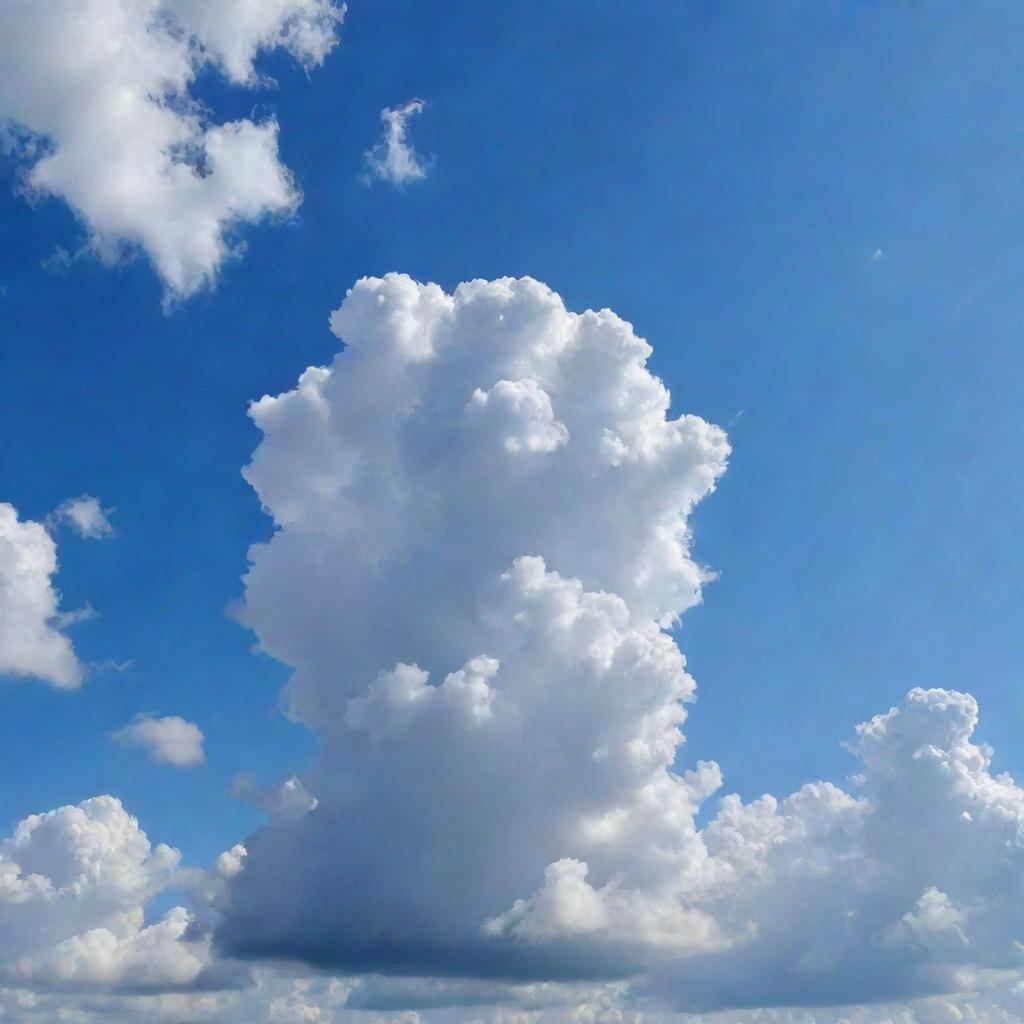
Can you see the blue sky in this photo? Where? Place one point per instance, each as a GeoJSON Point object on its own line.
{"type": "Point", "coordinates": [812, 211]}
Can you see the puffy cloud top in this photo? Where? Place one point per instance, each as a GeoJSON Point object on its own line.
{"type": "Point", "coordinates": [453, 435]}
{"type": "Point", "coordinates": [73, 887]}
{"type": "Point", "coordinates": [103, 88]}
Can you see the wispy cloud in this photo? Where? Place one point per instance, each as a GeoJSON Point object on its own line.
{"type": "Point", "coordinates": [394, 159]}
{"type": "Point", "coordinates": [85, 515]}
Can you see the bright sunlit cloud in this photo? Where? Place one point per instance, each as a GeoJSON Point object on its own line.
{"type": "Point", "coordinates": [97, 96]}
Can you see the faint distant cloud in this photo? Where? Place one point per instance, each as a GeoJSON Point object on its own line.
{"type": "Point", "coordinates": [110, 665]}
{"type": "Point", "coordinates": [288, 799]}
{"type": "Point", "coordinates": [878, 254]}
{"type": "Point", "coordinates": [171, 740]}
{"type": "Point", "coordinates": [85, 515]}
{"type": "Point", "coordinates": [61, 260]}
{"type": "Point", "coordinates": [75, 616]}
{"type": "Point", "coordinates": [394, 159]}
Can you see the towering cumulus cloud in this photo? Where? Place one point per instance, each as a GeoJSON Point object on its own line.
{"type": "Point", "coordinates": [98, 92]}
{"type": "Point", "coordinates": [481, 543]}
{"type": "Point", "coordinates": [481, 512]}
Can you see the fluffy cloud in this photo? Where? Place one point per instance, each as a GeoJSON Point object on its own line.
{"type": "Point", "coordinates": [481, 511]}
{"type": "Point", "coordinates": [394, 159]}
{"type": "Point", "coordinates": [910, 885]}
{"type": "Point", "coordinates": [31, 640]}
{"type": "Point", "coordinates": [482, 522]}
{"type": "Point", "coordinates": [75, 946]}
{"type": "Point", "coordinates": [86, 516]}
{"type": "Point", "coordinates": [170, 739]}
{"type": "Point", "coordinates": [74, 883]}
{"type": "Point", "coordinates": [99, 96]}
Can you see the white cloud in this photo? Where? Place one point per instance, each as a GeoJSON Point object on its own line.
{"type": "Point", "coordinates": [86, 516]}
{"type": "Point", "coordinates": [909, 885]}
{"type": "Point", "coordinates": [233, 32]}
{"type": "Point", "coordinates": [482, 520]}
{"type": "Point", "coordinates": [394, 159]}
{"type": "Point", "coordinates": [481, 536]}
{"type": "Point", "coordinates": [170, 739]}
{"type": "Point", "coordinates": [99, 92]}
{"type": "Point", "coordinates": [31, 641]}
{"type": "Point", "coordinates": [74, 883]}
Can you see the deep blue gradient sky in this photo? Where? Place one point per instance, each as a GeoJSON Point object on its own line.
{"type": "Point", "coordinates": [720, 175]}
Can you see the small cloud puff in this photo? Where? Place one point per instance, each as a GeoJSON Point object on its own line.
{"type": "Point", "coordinates": [86, 516]}
{"type": "Point", "coordinates": [171, 740]}
{"type": "Point", "coordinates": [394, 159]}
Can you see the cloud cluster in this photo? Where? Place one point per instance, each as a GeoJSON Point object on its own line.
{"type": "Point", "coordinates": [74, 884]}
{"type": "Point", "coordinates": [394, 159]}
{"type": "Point", "coordinates": [481, 546]}
{"type": "Point", "coordinates": [912, 884]}
{"type": "Point", "coordinates": [98, 94]}
{"type": "Point", "coordinates": [481, 542]}
{"type": "Point", "coordinates": [31, 640]}
{"type": "Point", "coordinates": [169, 739]}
